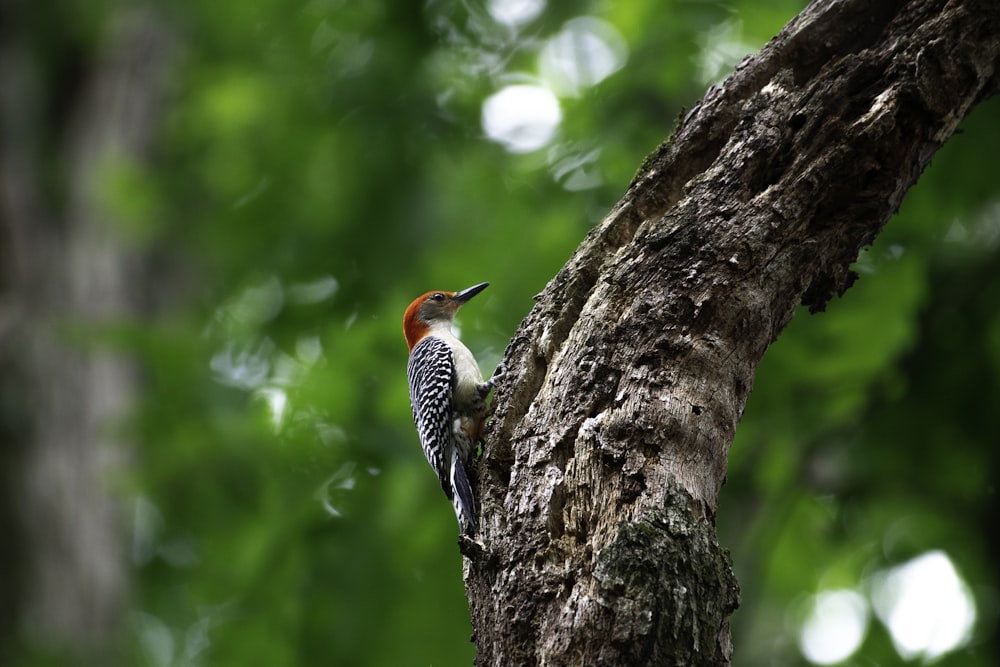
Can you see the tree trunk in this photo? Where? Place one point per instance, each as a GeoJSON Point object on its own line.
{"type": "Point", "coordinates": [65, 269]}
{"type": "Point", "coordinates": [600, 477]}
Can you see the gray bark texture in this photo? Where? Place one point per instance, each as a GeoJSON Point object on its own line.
{"type": "Point", "coordinates": [611, 430]}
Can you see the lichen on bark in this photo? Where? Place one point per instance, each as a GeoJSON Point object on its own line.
{"type": "Point", "coordinates": [667, 575]}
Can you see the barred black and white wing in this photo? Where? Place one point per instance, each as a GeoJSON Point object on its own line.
{"type": "Point", "coordinates": [432, 377]}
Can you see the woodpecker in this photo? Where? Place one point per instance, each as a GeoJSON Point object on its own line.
{"type": "Point", "coordinates": [447, 394]}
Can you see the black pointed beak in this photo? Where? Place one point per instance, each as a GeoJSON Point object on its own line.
{"type": "Point", "coordinates": [468, 293]}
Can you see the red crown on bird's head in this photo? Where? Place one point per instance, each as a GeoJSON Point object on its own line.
{"type": "Point", "coordinates": [432, 307]}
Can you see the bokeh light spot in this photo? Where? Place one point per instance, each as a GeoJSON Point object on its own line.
{"type": "Point", "coordinates": [925, 605]}
{"type": "Point", "coordinates": [585, 52]}
{"type": "Point", "coordinates": [515, 12]}
{"type": "Point", "coordinates": [522, 118]}
{"type": "Point", "coordinates": [834, 627]}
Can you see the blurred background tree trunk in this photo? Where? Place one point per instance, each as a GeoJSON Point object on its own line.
{"type": "Point", "coordinates": [67, 276]}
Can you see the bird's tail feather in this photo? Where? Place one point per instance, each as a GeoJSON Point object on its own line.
{"type": "Point", "coordinates": [462, 499]}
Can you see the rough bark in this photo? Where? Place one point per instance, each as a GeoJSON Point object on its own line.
{"type": "Point", "coordinates": [603, 463]}
{"type": "Point", "coordinates": [65, 268]}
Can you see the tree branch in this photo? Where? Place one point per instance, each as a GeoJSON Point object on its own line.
{"type": "Point", "coordinates": [611, 432]}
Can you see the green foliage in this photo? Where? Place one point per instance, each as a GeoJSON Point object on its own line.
{"type": "Point", "coordinates": [322, 163]}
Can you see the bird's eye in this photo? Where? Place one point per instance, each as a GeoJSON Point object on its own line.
{"type": "Point", "coordinates": [437, 296]}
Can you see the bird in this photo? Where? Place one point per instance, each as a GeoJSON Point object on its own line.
{"type": "Point", "coordinates": [447, 394]}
